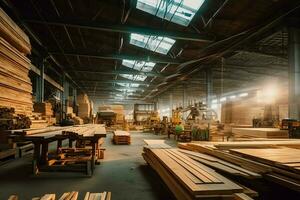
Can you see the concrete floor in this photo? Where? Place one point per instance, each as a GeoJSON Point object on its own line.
{"type": "Point", "coordinates": [123, 172]}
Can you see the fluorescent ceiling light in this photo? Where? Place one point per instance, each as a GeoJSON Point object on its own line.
{"type": "Point", "coordinates": [177, 11]}
{"type": "Point", "coordinates": [134, 77]}
{"type": "Point", "coordinates": [243, 94]}
{"type": "Point", "coordinates": [139, 65]}
{"type": "Point", "coordinates": [232, 97]}
{"type": "Point", "coordinates": [214, 101]}
{"type": "Point", "coordinates": [153, 43]}
{"type": "Point", "coordinates": [223, 99]}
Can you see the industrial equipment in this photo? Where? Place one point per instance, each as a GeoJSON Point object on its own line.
{"type": "Point", "coordinates": [292, 125]}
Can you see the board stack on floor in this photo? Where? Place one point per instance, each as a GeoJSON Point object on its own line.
{"type": "Point", "coordinates": [46, 111]}
{"type": "Point", "coordinates": [9, 120]}
{"type": "Point", "coordinates": [277, 161]}
{"type": "Point", "coordinates": [119, 110]}
{"type": "Point", "coordinates": [259, 133]}
{"type": "Point", "coordinates": [186, 178]}
{"type": "Point", "coordinates": [70, 113]}
{"type": "Point", "coordinates": [70, 196]}
{"type": "Point", "coordinates": [15, 85]}
{"type": "Point", "coordinates": [84, 106]}
{"type": "Point", "coordinates": [121, 137]}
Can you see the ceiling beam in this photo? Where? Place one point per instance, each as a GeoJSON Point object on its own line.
{"type": "Point", "coordinates": [123, 28]}
{"type": "Point", "coordinates": [127, 71]}
{"type": "Point", "coordinates": [113, 81]}
{"type": "Point", "coordinates": [123, 56]}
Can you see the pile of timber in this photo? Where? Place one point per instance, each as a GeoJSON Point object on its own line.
{"type": "Point", "coordinates": [70, 196]}
{"type": "Point", "coordinates": [121, 137]}
{"type": "Point", "coordinates": [9, 120]}
{"type": "Point", "coordinates": [119, 110]}
{"type": "Point", "coordinates": [187, 178]}
{"type": "Point", "coordinates": [70, 113]}
{"type": "Point", "coordinates": [259, 133]}
{"type": "Point", "coordinates": [15, 84]}
{"type": "Point", "coordinates": [84, 106]}
{"type": "Point", "coordinates": [44, 108]}
{"type": "Point", "coordinates": [270, 159]}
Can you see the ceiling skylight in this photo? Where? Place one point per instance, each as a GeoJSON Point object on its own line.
{"type": "Point", "coordinates": [128, 84]}
{"type": "Point", "coordinates": [139, 65]}
{"type": "Point", "coordinates": [154, 43]}
{"type": "Point", "coordinates": [134, 77]}
{"type": "Point", "coordinates": [177, 11]}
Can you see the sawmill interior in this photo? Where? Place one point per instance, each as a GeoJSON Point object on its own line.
{"type": "Point", "coordinates": [149, 99]}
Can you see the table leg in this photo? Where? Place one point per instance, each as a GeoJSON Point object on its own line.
{"type": "Point", "coordinates": [59, 145]}
{"type": "Point", "coordinates": [44, 156]}
{"type": "Point", "coordinates": [93, 154]}
{"type": "Point", "coordinates": [36, 157]}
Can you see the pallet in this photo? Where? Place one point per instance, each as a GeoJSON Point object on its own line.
{"type": "Point", "coordinates": [121, 137]}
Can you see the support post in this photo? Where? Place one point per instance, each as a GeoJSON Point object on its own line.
{"type": "Point", "coordinates": [209, 87]}
{"type": "Point", "coordinates": [294, 73]}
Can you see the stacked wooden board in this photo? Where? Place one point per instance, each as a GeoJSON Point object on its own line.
{"type": "Point", "coordinates": [119, 110]}
{"type": "Point", "coordinates": [44, 108]}
{"type": "Point", "coordinates": [84, 105]}
{"type": "Point", "coordinates": [273, 161]}
{"type": "Point", "coordinates": [188, 179]}
{"type": "Point", "coordinates": [121, 137]}
{"type": "Point", "coordinates": [259, 133]}
{"type": "Point", "coordinates": [70, 196]}
{"type": "Point", "coordinates": [15, 85]}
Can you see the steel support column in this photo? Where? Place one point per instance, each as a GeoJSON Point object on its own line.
{"type": "Point", "coordinates": [294, 73]}
{"type": "Point", "coordinates": [209, 87]}
{"type": "Point", "coordinates": [40, 84]}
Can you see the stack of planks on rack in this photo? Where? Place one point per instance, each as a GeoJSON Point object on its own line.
{"type": "Point", "coordinates": [70, 196]}
{"type": "Point", "coordinates": [275, 160]}
{"type": "Point", "coordinates": [15, 85]}
{"type": "Point", "coordinates": [187, 178]}
{"type": "Point", "coordinates": [121, 137]}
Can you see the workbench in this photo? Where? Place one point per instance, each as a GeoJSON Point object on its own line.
{"type": "Point", "coordinates": [41, 142]}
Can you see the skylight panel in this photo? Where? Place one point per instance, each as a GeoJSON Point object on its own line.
{"type": "Point", "coordinates": [128, 84]}
{"type": "Point", "coordinates": [134, 77]}
{"type": "Point", "coordinates": [177, 11]}
{"type": "Point", "coordinates": [153, 43]}
{"type": "Point", "coordinates": [139, 65]}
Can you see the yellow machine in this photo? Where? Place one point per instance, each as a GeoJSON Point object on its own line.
{"type": "Point", "coordinates": [176, 116]}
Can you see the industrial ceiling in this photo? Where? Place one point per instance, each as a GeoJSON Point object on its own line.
{"type": "Point", "coordinates": [133, 50]}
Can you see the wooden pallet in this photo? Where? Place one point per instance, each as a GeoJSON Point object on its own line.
{"type": "Point", "coordinates": [121, 137]}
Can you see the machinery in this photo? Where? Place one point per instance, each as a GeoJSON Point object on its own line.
{"type": "Point", "coordinates": [107, 117]}
{"type": "Point", "coordinates": [197, 112]}
{"type": "Point", "coordinates": [293, 126]}
{"type": "Point", "coordinates": [270, 118]}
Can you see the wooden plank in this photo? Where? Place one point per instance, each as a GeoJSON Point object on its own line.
{"type": "Point", "coordinates": [241, 196]}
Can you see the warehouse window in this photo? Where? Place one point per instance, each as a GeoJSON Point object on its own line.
{"type": "Point", "coordinates": [139, 65]}
{"type": "Point", "coordinates": [134, 77]}
{"type": "Point", "coordinates": [177, 11]}
{"type": "Point", "coordinates": [154, 43]}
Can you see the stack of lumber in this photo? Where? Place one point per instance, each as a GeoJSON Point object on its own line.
{"type": "Point", "coordinates": [271, 159]}
{"type": "Point", "coordinates": [84, 106]}
{"type": "Point", "coordinates": [44, 108]}
{"type": "Point", "coordinates": [38, 121]}
{"type": "Point", "coordinates": [70, 196]}
{"type": "Point", "coordinates": [98, 196]}
{"type": "Point", "coordinates": [9, 120]}
{"type": "Point", "coordinates": [121, 137]}
{"type": "Point", "coordinates": [259, 133]}
{"type": "Point", "coordinates": [77, 120]}
{"type": "Point", "coordinates": [188, 179]}
{"type": "Point", "coordinates": [119, 110]}
{"type": "Point", "coordinates": [15, 85]}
